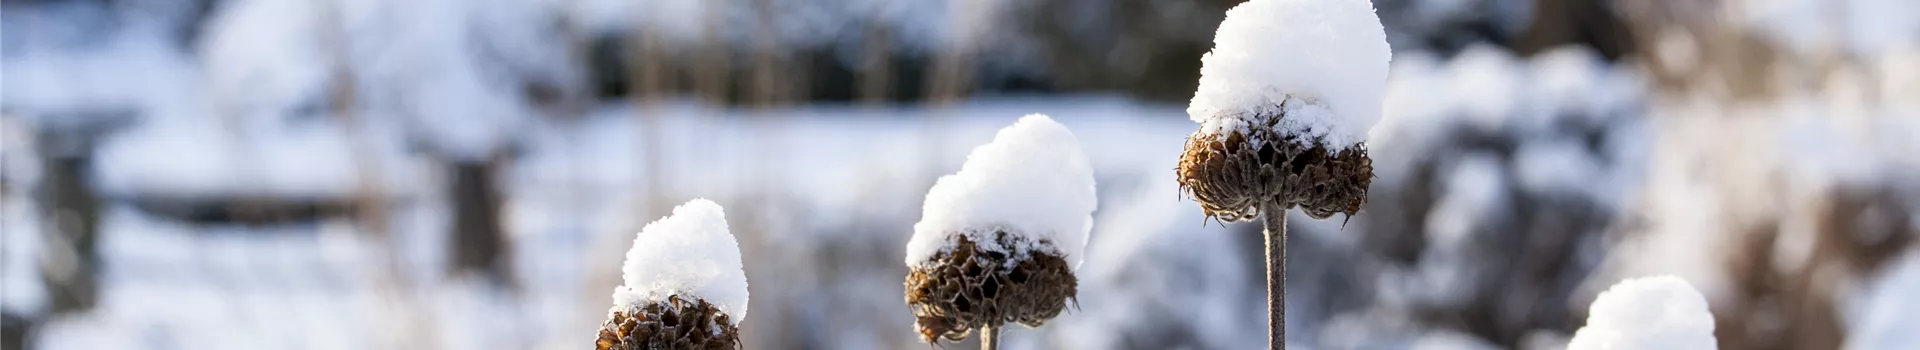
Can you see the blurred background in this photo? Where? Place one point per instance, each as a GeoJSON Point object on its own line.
{"type": "Point", "coordinates": [466, 174]}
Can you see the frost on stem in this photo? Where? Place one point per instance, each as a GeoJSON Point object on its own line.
{"type": "Point", "coordinates": [998, 241]}
{"type": "Point", "coordinates": [684, 286]}
{"type": "Point", "coordinates": [1286, 97]}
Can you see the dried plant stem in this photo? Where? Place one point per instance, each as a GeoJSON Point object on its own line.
{"type": "Point", "coordinates": [1276, 235]}
{"type": "Point", "coordinates": [990, 337]}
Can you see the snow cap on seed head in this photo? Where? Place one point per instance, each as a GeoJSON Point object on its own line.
{"type": "Point", "coordinates": [1330, 54]}
{"type": "Point", "coordinates": [1651, 313]}
{"type": "Point", "coordinates": [1031, 180]}
{"type": "Point", "coordinates": [689, 254]}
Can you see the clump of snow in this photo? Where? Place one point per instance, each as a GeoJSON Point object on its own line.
{"type": "Point", "coordinates": [1330, 53]}
{"type": "Point", "coordinates": [1652, 313]}
{"type": "Point", "coordinates": [690, 254]}
{"type": "Point", "coordinates": [1032, 180]}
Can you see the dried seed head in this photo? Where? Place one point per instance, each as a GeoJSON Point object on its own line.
{"type": "Point", "coordinates": [968, 287]}
{"type": "Point", "coordinates": [1233, 171]}
{"type": "Point", "coordinates": [676, 324]}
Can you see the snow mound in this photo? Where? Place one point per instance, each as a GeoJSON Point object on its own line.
{"type": "Point", "coordinates": [1032, 180]}
{"type": "Point", "coordinates": [1331, 53]}
{"type": "Point", "coordinates": [1653, 313]}
{"type": "Point", "coordinates": [689, 253]}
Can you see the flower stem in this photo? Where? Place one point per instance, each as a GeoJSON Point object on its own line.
{"type": "Point", "coordinates": [1276, 236]}
{"type": "Point", "coordinates": [990, 337]}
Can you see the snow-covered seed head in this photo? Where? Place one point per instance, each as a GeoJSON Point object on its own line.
{"type": "Point", "coordinates": [684, 286]}
{"type": "Point", "coordinates": [998, 241]}
{"type": "Point", "coordinates": [676, 323]}
{"type": "Point", "coordinates": [1232, 173]}
{"type": "Point", "coordinates": [971, 287]}
{"type": "Point", "coordinates": [1286, 99]}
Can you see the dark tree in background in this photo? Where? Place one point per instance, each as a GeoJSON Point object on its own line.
{"type": "Point", "coordinates": [477, 244]}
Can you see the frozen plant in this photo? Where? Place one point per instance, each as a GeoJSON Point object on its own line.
{"type": "Point", "coordinates": [998, 241]}
{"type": "Point", "coordinates": [1651, 313]}
{"type": "Point", "coordinates": [1286, 99]}
{"type": "Point", "coordinates": [685, 288]}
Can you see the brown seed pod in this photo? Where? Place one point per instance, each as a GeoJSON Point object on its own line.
{"type": "Point", "coordinates": [675, 324]}
{"type": "Point", "coordinates": [968, 287]}
{"type": "Point", "coordinates": [1234, 173]}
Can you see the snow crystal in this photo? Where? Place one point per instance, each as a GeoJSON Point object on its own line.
{"type": "Point", "coordinates": [689, 253]}
{"type": "Point", "coordinates": [1654, 313]}
{"type": "Point", "coordinates": [1032, 180]}
{"type": "Point", "coordinates": [1328, 53]}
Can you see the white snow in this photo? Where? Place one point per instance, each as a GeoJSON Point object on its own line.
{"type": "Point", "coordinates": [1818, 27]}
{"type": "Point", "coordinates": [1559, 166]}
{"type": "Point", "coordinates": [1484, 82]}
{"type": "Point", "coordinates": [55, 75]}
{"type": "Point", "coordinates": [1331, 54]}
{"type": "Point", "coordinates": [264, 57]}
{"type": "Point", "coordinates": [1883, 317]}
{"type": "Point", "coordinates": [1651, 313]}
{"type": "Point", "coordinates": [457, 70]}
{"type": "Point", "coordinates": [675, 20]}
{"type": "Point", "coordinates": [689, 253]}
{"type": "Point", "coordinates": [452, 71]}
{"type": "Point", "coordinates": [133, 72]}
{"type": "Point", "coordinates": [1032, 180]}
